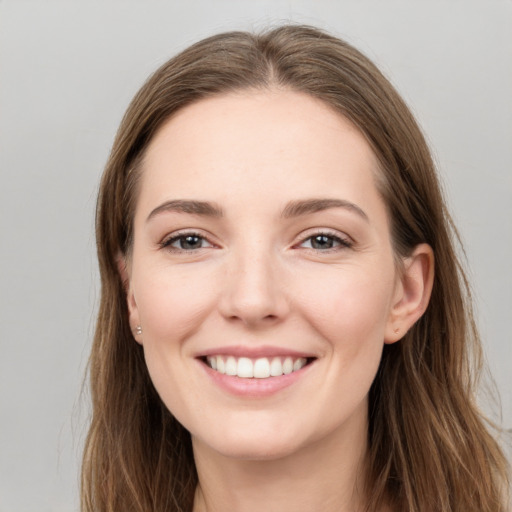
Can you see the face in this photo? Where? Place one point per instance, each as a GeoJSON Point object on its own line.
{"type": "Point", "coordinates": [262, 272]}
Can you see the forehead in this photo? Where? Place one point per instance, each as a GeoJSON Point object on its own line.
{"type": "Point", "coordinates": [258, 142]}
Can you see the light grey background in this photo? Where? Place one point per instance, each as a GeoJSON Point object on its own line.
{"type": "Point", "coordinates": [67, 72]}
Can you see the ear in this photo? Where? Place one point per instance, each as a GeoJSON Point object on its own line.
{"type": "Point", "coordinates": [133, 312]}
{"type": "Point", "coordinates": [412, 293]}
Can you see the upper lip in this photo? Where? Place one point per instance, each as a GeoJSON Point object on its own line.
{"type": "Point", "coordinates": [254, 352]}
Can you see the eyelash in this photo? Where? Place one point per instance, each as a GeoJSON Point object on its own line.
{"type": "Point", "coordinates": [342, 243]}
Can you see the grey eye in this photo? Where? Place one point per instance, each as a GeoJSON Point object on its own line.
{"type": "Point", "coordinates": [186, 242]}
{"type": "Point", "coordinates": [325, 241]}
{"type": "Point", "coordinates": [322, 242]}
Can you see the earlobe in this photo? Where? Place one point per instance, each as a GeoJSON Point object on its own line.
{"type": "Point", "coordinates": [412, 293]}
{"type": "Point", "coordinates": [133, 313]}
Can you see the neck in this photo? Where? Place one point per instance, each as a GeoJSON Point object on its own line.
{"type": "Point", "coordinates": [325, 475]}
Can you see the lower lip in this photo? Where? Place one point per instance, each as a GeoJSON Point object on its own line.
{"type": "Point", "coordinates": [254, 388]}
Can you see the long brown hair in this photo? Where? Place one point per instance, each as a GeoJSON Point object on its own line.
{"type": "Point", "coordinates": [429, 448]}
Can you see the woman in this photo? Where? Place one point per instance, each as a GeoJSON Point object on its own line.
{"type": "Point", "coordinates": [284, 324]}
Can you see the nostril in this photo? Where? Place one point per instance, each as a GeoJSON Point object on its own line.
{"type": "Point", "coordinates": [252, 318]}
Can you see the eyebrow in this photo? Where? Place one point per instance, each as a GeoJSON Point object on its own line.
{"type": "Point", "coordinates": [308, 206]}
{"type": "Point", "coordinates": [203, 208]}
{"type": "Point", "coordinates": [292, 209]}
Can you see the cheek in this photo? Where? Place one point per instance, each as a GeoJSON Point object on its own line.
{"type": "Point", "coordinates": [173, 301]}
{"type": "Point", "coordinates": [350, 309]}
{"type": "Point", "coordinates": [350, 313]}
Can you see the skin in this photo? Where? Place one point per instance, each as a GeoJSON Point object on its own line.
{"type": "Point", "coordinates": [255, 278]}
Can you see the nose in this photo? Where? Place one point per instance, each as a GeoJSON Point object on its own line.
{"type": "Point", "coordinates": [253, 291]}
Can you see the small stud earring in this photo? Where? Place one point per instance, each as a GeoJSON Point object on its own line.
{"type": "Point", "coordinates": [138, 330]}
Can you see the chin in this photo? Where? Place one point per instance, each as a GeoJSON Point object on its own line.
{"type": "Point", "coordinates": [257, 453]}
{"type": "Point", "coordinates": [251, 445]}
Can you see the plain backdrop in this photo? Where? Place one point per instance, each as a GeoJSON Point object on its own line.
{"type": "Point", "coordinates": [67, 72]}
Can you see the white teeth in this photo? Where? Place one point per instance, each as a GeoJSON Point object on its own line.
{"type": "Point", "coordinates": [288, 366]}
{"type": "Point", "coordinates": [231, 367]}
{"type": "Point", "coordinates": [299, 363]}
{"type": "Point", "coordinates": [261, 368]}
{"type": "Point", "coordinates": [276, 368]}
{"type": "Point", "coordinates": [245, 368]}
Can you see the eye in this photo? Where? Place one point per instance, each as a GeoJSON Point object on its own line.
{"type": "Point", "coordinates": [325, 242]}
{"type": "Point", "coordinates": [186, 242]}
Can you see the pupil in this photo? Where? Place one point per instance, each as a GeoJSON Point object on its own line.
{"type": "Point", "coordinates": [322, 242]}
{"type": "Point", "coordinates": [191, 242]}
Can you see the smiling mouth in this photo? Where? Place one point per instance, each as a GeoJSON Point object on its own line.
{"type": "Point", "coordinates": [260, 368]}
